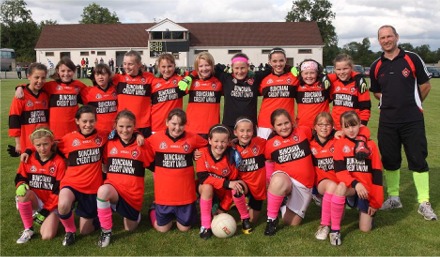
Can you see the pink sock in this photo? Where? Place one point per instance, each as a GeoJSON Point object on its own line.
{"type": "Point", "coordinates": [240, 203]}
{"type": "Point", "coordinates": [326, 208]}
{"type": "Point", "coordinates": [153, 217]}
{"type": "Point", "coordinates": [337, 211]}
{"type": "Point", "coordinates": [270, 168]}
{"type": "Point", "coordinates": [273, 205]}
{"type": "Point", "coordinates": [205, 212]}
{"type": "Point", "coordinates": [25, 209]}
{"type": "Point", "coordinates": [68, 222]}
{"type": "Point", "coordinates": [105, 218]}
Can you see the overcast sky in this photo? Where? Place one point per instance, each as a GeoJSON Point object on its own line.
{"type": "Point", "coordinates": [415, 21]}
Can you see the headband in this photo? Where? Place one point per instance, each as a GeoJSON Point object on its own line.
{"type": "Point", "coordinates": [219, 127]}
{"type": "Point", "coordinates": [242, 120]}
{"type": "Point", "coordinates": [239, 59]}
{"type": "Point", "coordinates": [42, 130]}
{"type": "Point", "coordinates": [309, 65]}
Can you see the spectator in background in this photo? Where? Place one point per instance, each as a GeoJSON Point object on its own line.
{"type": "Point", "coordinates": [111, 64]}
{"type": "Point", "coordinates": [18, 69]}
{"type": "Point", "coordinates": [101, 60]}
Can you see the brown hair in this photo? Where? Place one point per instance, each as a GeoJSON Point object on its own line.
{"type": "Point", "coordinates": [64, 61]}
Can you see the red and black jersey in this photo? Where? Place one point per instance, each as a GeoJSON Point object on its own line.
{"type": "Point", "coordinates": [367, 172]}
{"type": "Point", "coordinates": [28, 113]}
{"type": "Point", "coordinates": [252, 169]}
{"type": "Point", "coordinates": [311, 100]}
{"type": "Point", "coordinates": [293, 155]}
{"type": "Point", "coordinates": [134, 94]}
{"type": "Point", "coordinates": [174, 182]}
{"type": "Point", "coordinates": [43, 178]}
{"type": "Point", "coordinates": [125, 165]}
{"type": "Point", "coordinates": [346, 97]}
{"type": "Point", "coordinates": [203, 109]}
{"type": "Point", "coordinates": [64, 98]}
{"type": "Point", "coordinates": [323, 159]}
{"type": "Point", "coordinates": [165, 96]}
{"type": "Point", "coordinates": [106, 103]}
{"type": "Point", "coordinates": [84, 165]}
{"type": "Point", "coordinates": [278, 92]}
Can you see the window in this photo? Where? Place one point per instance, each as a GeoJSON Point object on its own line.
{"type": "Point", "coordinates": [156, 35]}
{"type": "Point", "coordinates": [304, 51]}
{"type": "Point", "coordinates": [176, 56]}
{"type": "Point", "coordinates": [84, 53]}
{"type": "Point", "coordinates": [50, 54]}
{"type": "Point", "coordinates": [177, 35]}
{"type": "Point", "coordinates": [234, 51]}
{"type": "Point", "coordinates": [199, 51]}
{"type": "Point", "coordinates": [266, 51]}
{"type": "Point", "coordinates": [167, 35]}
{"type": "Point", "coordinates": [100, 53]}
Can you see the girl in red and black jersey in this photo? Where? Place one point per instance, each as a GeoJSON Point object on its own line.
{"type": "Point", "coordinates": [125, 162]}
{"type": "Point", "coordinates": [361, 178]}
{"type": "Point", "coordinates": [103, 96]}
{"type": "Point", "coordinates": [294, 174]}
{"type": "Point", "coordinates": [217, 174]}
{"type": "Point", "coordinates": [37, 184]}
{"type": "Point", "coordinates": [174, 184]}
{"type": "Point", "coordinates": [83, 149]}
{"type": "Point", "coordinates": [252, 168]}
{"type": "Point", "coordinates": [165, 93]}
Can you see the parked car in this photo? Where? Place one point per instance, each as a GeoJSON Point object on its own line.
{"type": "Point", "coordinates": [358, 68]}
{"type": "Point", "coordinates": [367, 71]}
{"type": "Point", "coordinates": [434, 71]}
{"type": "Point", "coordinates": [329, 69]}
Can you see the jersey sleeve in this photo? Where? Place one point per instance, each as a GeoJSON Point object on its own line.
{"type": "Point", "coordinates": [21, 176]}
{"type": "Point", "coordinates": [376, 191]}
{"type": "Point", "coordinates": [14, 117]}
{"type": "Point", "coordinates": [364, 107]}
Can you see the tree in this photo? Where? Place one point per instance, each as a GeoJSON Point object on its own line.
{"type": "Point", "coordinates": [95, 14]}
{"type": "Point", "coordinates": [320, 12]}
{"type": "Point", "coordinates": [13, 11]}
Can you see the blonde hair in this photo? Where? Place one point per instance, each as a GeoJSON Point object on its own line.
{"type": "Point", "coordinates": [204, 56]}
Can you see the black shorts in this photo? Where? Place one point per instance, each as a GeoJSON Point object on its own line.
{"type": "Point", "coordinates": [85, 204]}
{"type": "Point", "coordinates": [391, 137]}
{"type": "Point", "coordinates": [125, 210]}
{"type": "Point", "coordinates": [355, 202]}
{"type": "Point", "coordinates": [146, 132]}
{"type": "Point", "coordinates": [186, 215]}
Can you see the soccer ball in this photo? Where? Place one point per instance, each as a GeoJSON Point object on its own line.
{"type": "Point", "coordinates": [223, 225]}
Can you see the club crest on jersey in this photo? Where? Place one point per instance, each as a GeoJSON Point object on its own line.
{"type": "Point", "coordinates": [29, 103]}
{"type": "Point", "coordinates": [158, 85]}
{"type": "Point", "coordinates": [134, 154]}
{"type": "Point", "coordinates": [289, 81]}
{"type": "Point", "coordinates": [225, 172]}
{"type": "Point", "coordinates": [143, 80]}
{"type": "Point", "coordinates": [213, 86]}
{"type": "Point", "coordinates": [197, 84]}
{"type": "Point", "coordinates": [76, 142]}
{"type": "Point", "coordinates": [276, 143]}
{"type": "Point", "coordinates": [52, 170]}
{"type": "Point", "coordinates": [59, 87]}
{"type": "Point", "coordinates": [114, 94]}
{"type": "Point", "coordinates": [338, 88]}
{"type": "Point", "coordinates": [295, 138]}
{"type": "Point", "coordinates": [346, 149]}
{"type": "Point", "coordinates": [44, 103]}
{"type": "Point", "coordinates": [174, 82]}
{"type": "Point", "coordinates": [269, 81]}
{"type": "Point", "coordinates": [314, 151]}
{"type": "Point", "coordinates": [250, 81]}
{"type": "Point", "coordinates": [33, 168]}
{"type": "Point", "coordinates": [186, 147]}
{"type": "Point", "coordinates": [114, 151]}
{"type": "Point", "coordinates": [163, 145]}
{"type": "Point", "coordinates": [98, 140]}
{"type": "Point", "coordinates": [405, 72]}
{"type": "Point", "coordinates": [76, 90]}
{"type": "Point", "coordinates": [98, 96]}
{"type": "Point", "coordinates": [353, 90]}
{"type": "Point", "coordinates": [332, 149]}
{"type": "Point", "coordinates": [255, 150]}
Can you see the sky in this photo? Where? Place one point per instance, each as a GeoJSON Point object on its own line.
{"type": "Point", "coordinates": [415, 21]}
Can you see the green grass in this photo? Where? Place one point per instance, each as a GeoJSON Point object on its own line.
{"type": "Point", "coordinates": [397, 232]}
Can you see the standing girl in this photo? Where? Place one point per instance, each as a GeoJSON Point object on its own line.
{"type": "Point", "coordinates": [30, 111]}
{"type": "Point", "coordinates": [294, 174]}
{"type": "Point", "coordinates": [346, 92]}
{"type": "Point", "coordinates": [218, 176]}
{"type": "Point", "coordinates": [252, 168]}
{"type": "Point", "coordinates": [174, 183]}
{"type": "Point", "coordinates": [361, 179]}
{"type": "Point", "coordinates": [125, 162]}
{"type": "Point", "coordinates": [165, 93]}
{"type": "Point", "coordinates": [37, 184]}
{"type": "Point", "coordinates": [277, 90]}
{"type": "Point", "coordinates": [103, 97]}
{"type": "Point", "coordinates": [83, 150]}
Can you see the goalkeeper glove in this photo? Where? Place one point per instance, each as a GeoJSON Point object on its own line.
{"type": "Point", "coordinates": [40, 216]}
{"type": "Point", "coordinates": [325, 82]}
{"type": "Point", "coordinates": [361, 150]}
{"type": "Point", "coordinates": [21, 190]}
{"type": "Point", "coordinates": [361, 84]}
{"type": "Point", "coordinates": [112, 134]}
{"type": "Point", "coordinates": [294, 71]}
{"type": "Point", "coordinates": [12, 152]}
{"type": "Point", "coordinates": [185, 83]}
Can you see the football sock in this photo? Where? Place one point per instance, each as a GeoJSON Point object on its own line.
{"type": "Point", "coordinates": [270, 168]}
{"type": "Point", "coordinates": [421, 181]}
{"type": "Point", "coordinates": [25, 209]}
{"type": "Point", "coordinates": [392, 178]}
{"type": "Point", "coordinates": [205, 212]}
{"type": "Point", "coordinates": [273, 205]}
{"type": "Point", "coordinates": [337, 211]}
{"type": "Point", "coordinates": [68, 222]}
{"type": "Point", "coordinates": [104, 214]}
{"type": "Point", "coordinates": [326, 206]}
{"type": "Point", "coordinates": [240, 203]}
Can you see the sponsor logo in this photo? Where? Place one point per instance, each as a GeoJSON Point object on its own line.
{"type": "Point", "coordinates": [76, 142]}
{"type": "Point", "coordinates": [163, 145]}
{"type": "Point", "coordinates": [114, 151]}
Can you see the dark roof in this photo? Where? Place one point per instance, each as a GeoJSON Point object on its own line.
{"type": "Point", "coordinates": [201, 34]}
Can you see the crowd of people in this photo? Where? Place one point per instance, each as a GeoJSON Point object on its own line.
{"type": "Point", "coordinates": [85, 150]}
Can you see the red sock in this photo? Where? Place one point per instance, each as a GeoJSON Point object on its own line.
{"type": "Point", "coordinates": [205, 212]}
{"type": "Point", "coordinates": [337, 211]}
{"type": "Point", "coordinates": [240, 203]}
{"type": "Point", "coordinates": [326, 208]}
{"type": "Point", "coordinates": [25, 209]}
{"type": "Point", "coordinates": [273, 205]}
{"type": "Point", "coordinates": [68, 222]}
